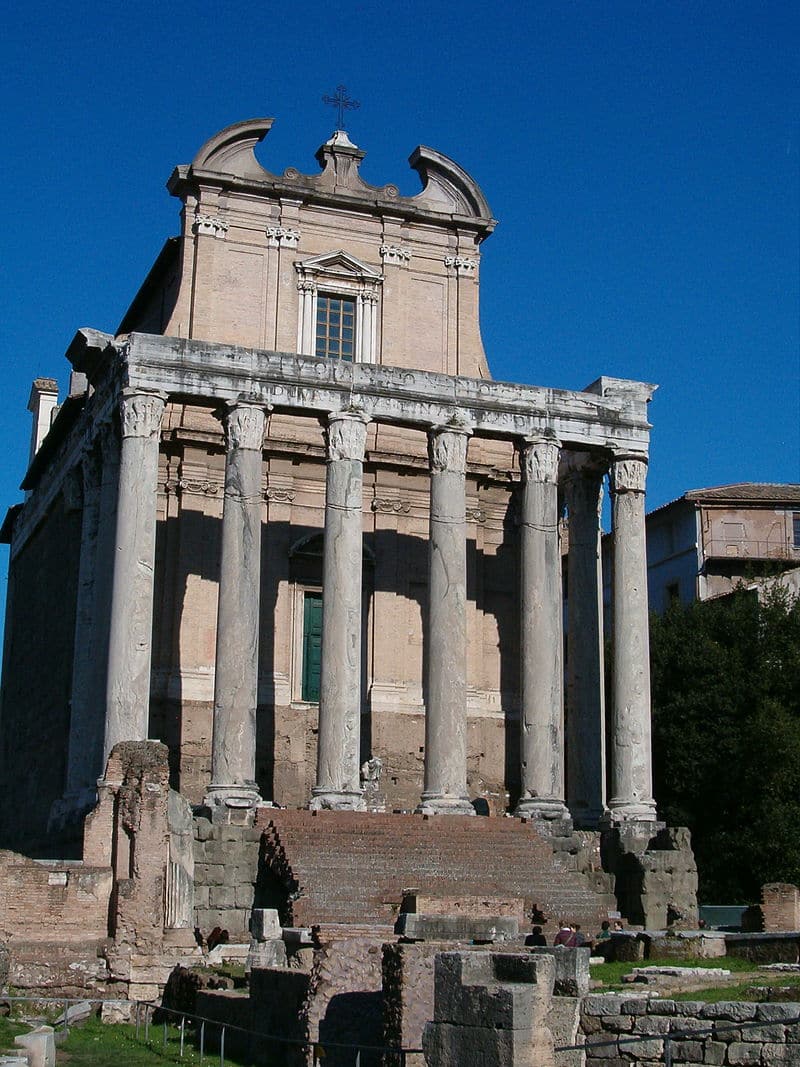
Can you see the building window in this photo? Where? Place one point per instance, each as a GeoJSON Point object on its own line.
{"type": "Point", "coordinates": [336, 325]}
{"type": "Point", "coordinates": [796, 529]}
{"type": "Point", "coordinates": [312, 646]}
{"type": "Point", "coordinates": [338, 308]}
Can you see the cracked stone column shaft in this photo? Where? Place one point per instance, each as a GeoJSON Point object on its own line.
{"type": "Point", "coordinates": [632, 772]}
{"type": "Point", "coordinates": [131, 617]}
{"type": "Point", "coordinates": [338, 784]}
{"type": "Point", "coordinates": [233, 750]}
{"type": "Point", "coordinates": [445, 788]}
{"type": "Point", "coordinates": [541, 636]}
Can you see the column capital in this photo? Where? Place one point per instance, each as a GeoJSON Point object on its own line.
{"type": "Point", "coordinates": [140, 412]}
{"type": "Point", "coordinates": [539, 458]}
{"type": "Point", "coordinates": [579, 466]}
{"type": "Point", "coordinates": [447, 447]}
{"type": "Point", "coordinates": [628, 474]}
{"type": "Point", "coordinates": [244, 425]}
{"type": "Point", "coordinates": [346, 435]}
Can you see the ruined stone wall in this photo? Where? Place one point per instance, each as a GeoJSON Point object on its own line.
{"type": "Point", "coordinates": [710, 1034]}
{"type": "Point", "coordinates": [34, 718]}
{"type": "Point", "coordinates": [780, 906]}
{"type": "Point", "coordinates": [226, 869]}
{"type": "Point", "coordinates": [52, 901]}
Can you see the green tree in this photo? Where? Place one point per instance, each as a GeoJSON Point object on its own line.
{"type": "Point", "coordinates": [726, 737]}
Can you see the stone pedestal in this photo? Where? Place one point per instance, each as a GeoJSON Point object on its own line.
{"type": "Point", "coordinates": [632, 772]}
{"type": "Point", "coordinates": [585, 678]}
{"type": "Point", "coordinates": [445, 788]}
{"type": "Point", "coordinates": [131, 625]}
{"type": "Point", "coordinates": [233, 754]}
{"type": "Point", "coordinates": [338, 784]}
{"type": "Point", "coordinates": [541, 637]}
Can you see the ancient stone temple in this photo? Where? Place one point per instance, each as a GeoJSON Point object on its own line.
{"type": "Point", "coordinates": [287, 524]}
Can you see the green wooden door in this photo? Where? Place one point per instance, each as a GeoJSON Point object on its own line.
{"type": "Point", "coordinates": [312, 645]}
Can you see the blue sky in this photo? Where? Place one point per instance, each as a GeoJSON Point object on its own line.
{"type": "Point", "coordinates": [643, 160]}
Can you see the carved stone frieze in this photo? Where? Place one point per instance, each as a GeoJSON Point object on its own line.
{"type": "Point", "coordinates": [244, 426]}
{"type": "Point", "coordinates": [346, 436]}
{"type": "Point", "coordinates": [628, 474]}
{"type": "Point", "coordinates": [140, 413]}
{"type": "Point", "coordinates": [462, 264]}
{"type": "Point", "coordinates": [391, 506]}
{"type": "Point", "coordinates": [396, 254]}
{"type": "Point", "coordinates": [539, 461]}
{"type": "Point", "coordinates": [278, 495]}
{"type": "Point", "coordinates": [283, 235]}
{"type": "Point", "coordinates": [210, 226]}
{"type": "Point", "coordinates": [447, 449]}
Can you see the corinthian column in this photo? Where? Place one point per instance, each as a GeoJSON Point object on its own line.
{"type": "Point", "coordinates": [233, 748]}
{"type": "Point", "coordinates": [586, 787]}
{"type": "Point", "coordinates": [131, 623]}
{"type": "Point", "coordinates": [632, 772]}
{"type": "Point", "coordinates": [541, 636]}
{"type": "Point", "coordinates": [338, 754]}
{"type": "Point", "coordinates": [445, 789]}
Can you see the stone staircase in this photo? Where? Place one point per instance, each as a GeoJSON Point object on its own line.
{"type": "Point", "coordinates": [352, 867]}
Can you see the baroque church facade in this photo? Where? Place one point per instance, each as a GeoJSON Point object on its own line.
{"type": "Point", "coordinates": [297, 532]}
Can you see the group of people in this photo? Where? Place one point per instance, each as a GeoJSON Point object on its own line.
{"type": "Point", "coordinates": [571, 936]}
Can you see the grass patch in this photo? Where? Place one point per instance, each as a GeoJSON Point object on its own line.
{"type": "Point", "coordinates": [96, 1044]}
{"type": "Point", "coordinates": [611, 974]}
{"type": "Point", "coordinates": [760, 991]}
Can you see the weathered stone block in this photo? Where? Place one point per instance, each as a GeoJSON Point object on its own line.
{"type": "Point", "coordinates": [736, 1011]}
{"type": "Point", "coordinates": [571, 969]}
{"type": "Point", "coordinates": [39, 1045]}
{"type": "Point", "coordinates": [744, 1053]}
{"type": "Point", "coordinates": [265, 924]}
{"type": "Point", "coordinates": [456, 927]}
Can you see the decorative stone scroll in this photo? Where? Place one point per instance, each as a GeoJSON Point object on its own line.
{"type": "Point", "coordinates": [396, 254]}
{"type": "Point", "coordinates": [210, 226]}
{"type": "Point", "coordinates": [275, 495]}
{"type": "Point", "coordinates": [462, 264]}
{"type": "Point", "coordinates": [346, 435]}
{"type": "Point", "coordinates": [244, 426]}
{"type": "Point", "coordinates": [539, 460]}
{"type": "Point", "coordinates": [283, 235]}
{"type": "Point", "coordinates": [140, 413]}
{"type": "Point", "coordinates": [447, 448]}
{"type": "Point", "coordinates": [391, 506]}
{"type": "Point", "coordinates": [629, 474]}
{"type": "Point", "coordinates": [476, 515]}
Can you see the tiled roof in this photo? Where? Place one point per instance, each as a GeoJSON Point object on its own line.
{"type": "Point", "coordinates": [775, 493]}
{"type": "Point", "coordinates": [750, 492]}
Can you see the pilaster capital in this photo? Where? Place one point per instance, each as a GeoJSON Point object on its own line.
{"type": "Point", "coordinates": [447, 448]}
{"type": "Point", "coordinates": [628, 474]}
{"type": "Point", "coordinates": [244, 426]}
{"type": "Point", "coordinates": [141, 412]}
{"type": "Point", "coordinates": [346, 435]}
{"type": "Point", "coordinates": [539, 458]}
{"type": "Point", "coordinates": [209, 225]}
